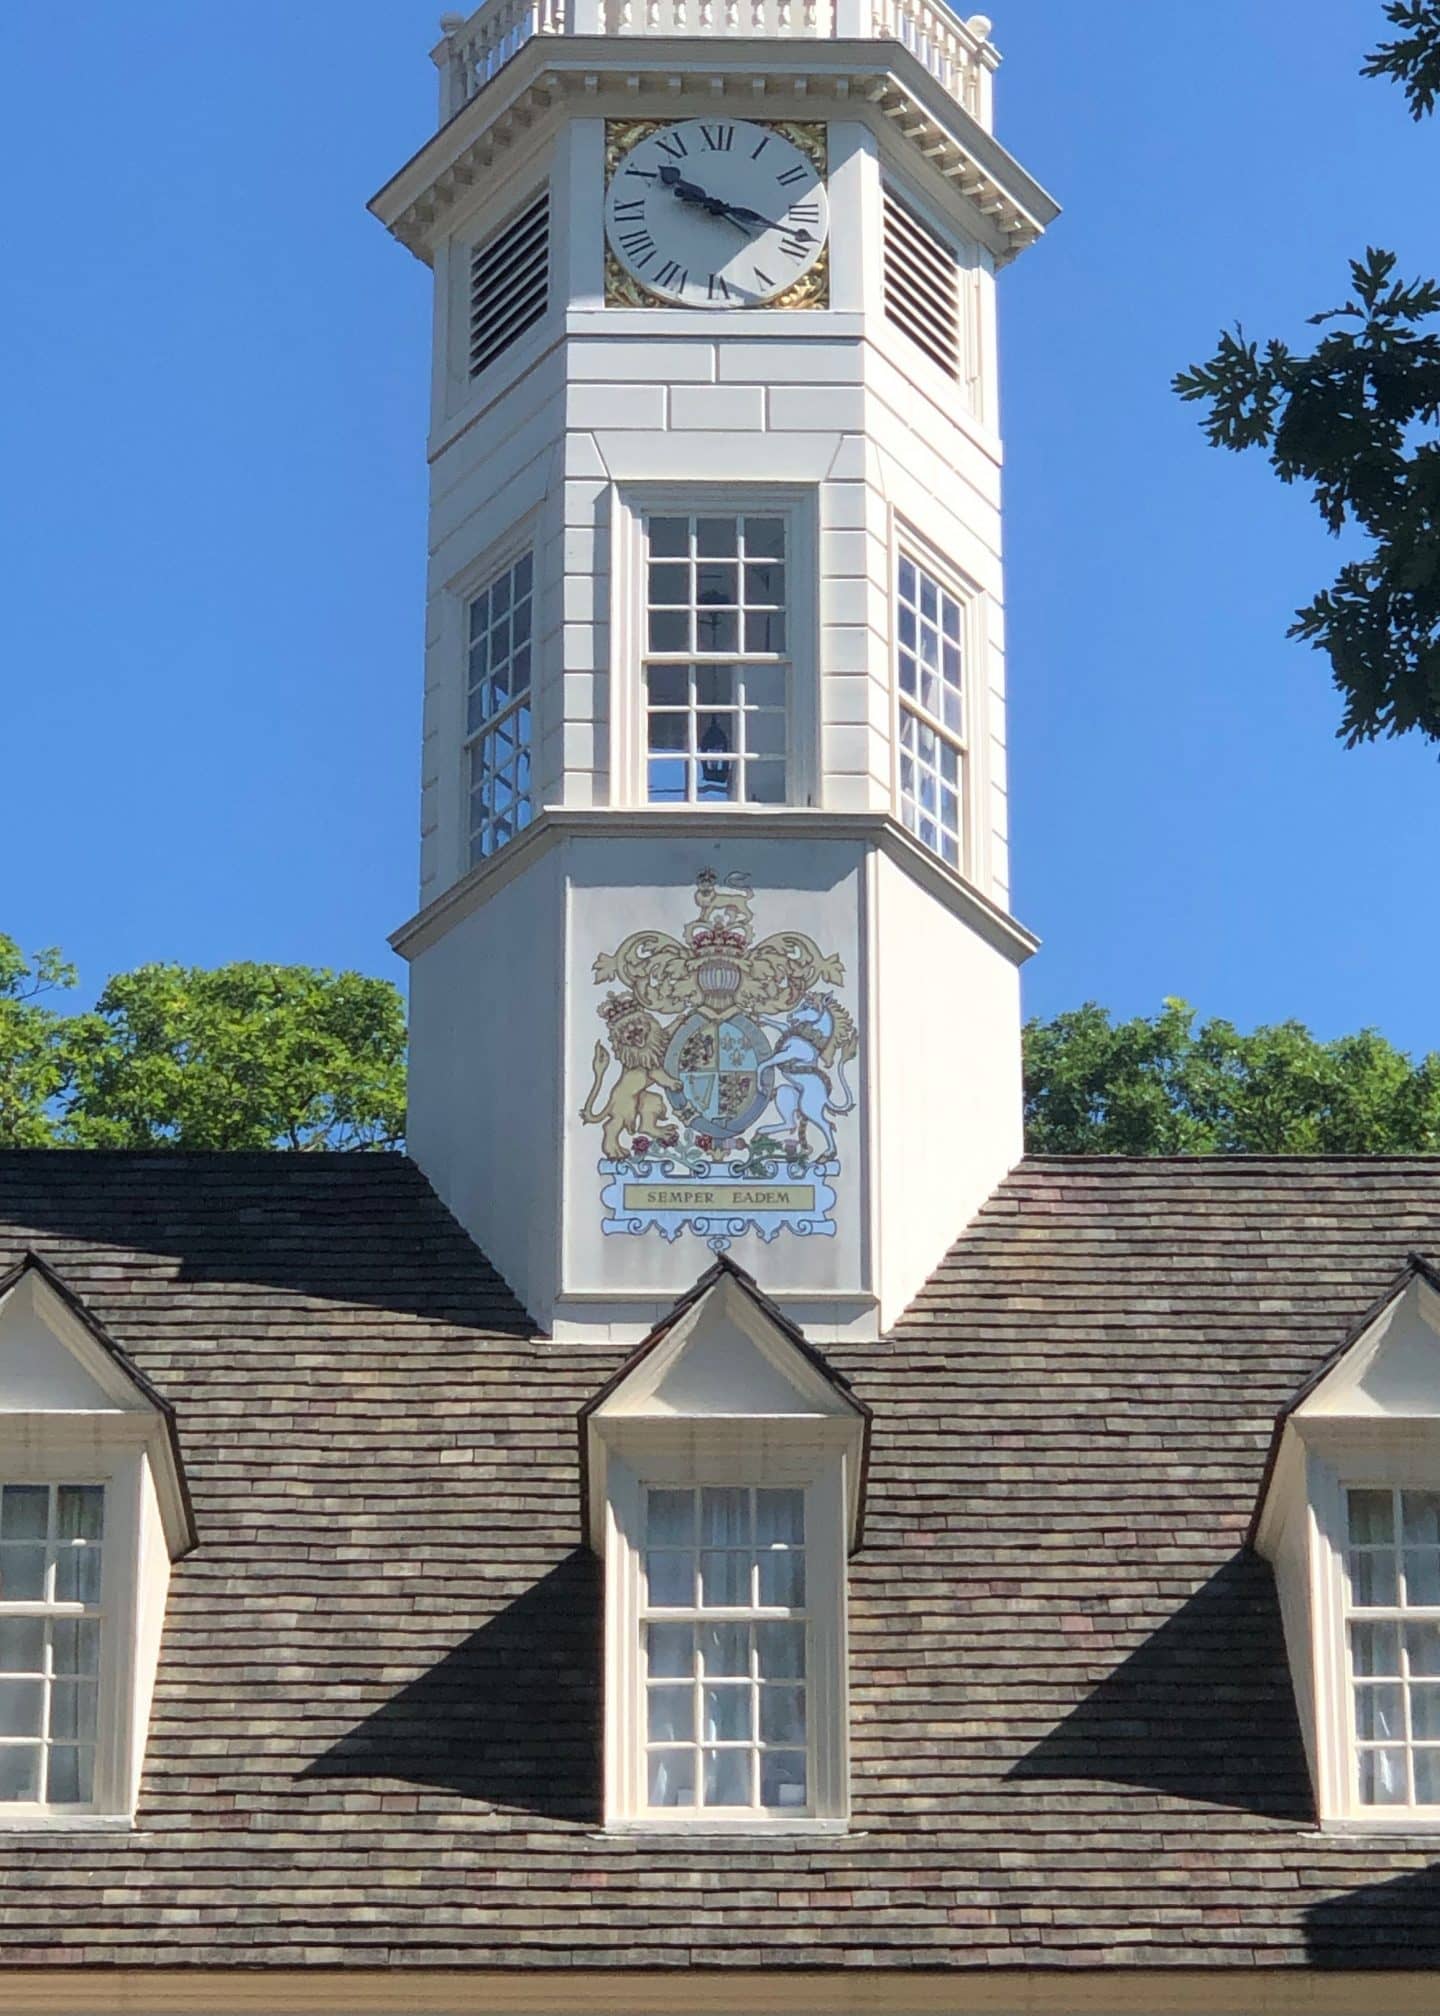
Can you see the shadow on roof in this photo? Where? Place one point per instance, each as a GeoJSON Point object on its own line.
{"type": "Point", "coordinates": [510, 1717]}
{"type": "Point", "coordinates": [1202, 1710]}
{"type": "Point", "coordinates": [363, 1228]}
{"type": "Point", "coordinates": [1391, 1924]}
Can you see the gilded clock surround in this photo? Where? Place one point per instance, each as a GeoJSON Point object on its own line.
{"type": "Point", "coordinates": [811, 290]}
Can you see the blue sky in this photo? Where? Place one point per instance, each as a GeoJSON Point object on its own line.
{"type": "Point", "coordinates": [211, 428]}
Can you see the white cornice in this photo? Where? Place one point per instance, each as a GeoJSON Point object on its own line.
{"type": "Point", "coordinates": [867, 829]}
{"type": "Point", "coordinates": [1004, 206]}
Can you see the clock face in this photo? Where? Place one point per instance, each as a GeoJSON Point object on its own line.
{"type": "Point", "coordinates": [716, 213]}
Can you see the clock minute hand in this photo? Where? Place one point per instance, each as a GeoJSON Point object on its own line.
{"type": "Point", "coordinates": [738, 213]}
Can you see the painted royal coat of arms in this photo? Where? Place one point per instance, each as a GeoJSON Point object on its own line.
{"type": "Point", "coordinates": [725, 1059]}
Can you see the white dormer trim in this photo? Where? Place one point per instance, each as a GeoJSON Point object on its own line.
{"type": "Point", "coordinates": [1368, 1419]}
{"type": "Point", "coordinates": [725, 1392]}
{"type": "Point", "coordinates": [75, 1410]}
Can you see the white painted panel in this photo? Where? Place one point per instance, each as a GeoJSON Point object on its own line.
{"type": "Point", "coordinates": [741, 407]}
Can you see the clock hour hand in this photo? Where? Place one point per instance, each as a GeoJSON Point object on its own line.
{"type": "Point", "coordinates": [691, 192]}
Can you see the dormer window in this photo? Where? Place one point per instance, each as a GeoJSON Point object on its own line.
{"type": "Point", "coordinates": [93, 1510]}
{"type": "Point", "coordinates": [724, 1480]}
{"type": "Point", "coordinates": [1350, 1518]}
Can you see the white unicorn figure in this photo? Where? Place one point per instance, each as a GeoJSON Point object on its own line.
{"type": "Point", "coordinates": [817, 1036]}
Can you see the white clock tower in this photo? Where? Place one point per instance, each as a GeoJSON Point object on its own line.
{"type": "Point", "coordinates": [714, 951]}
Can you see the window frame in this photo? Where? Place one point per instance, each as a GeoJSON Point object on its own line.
{"type": "Point", "coordinates": [479, 581]}
{"type": "Point", "coordinates": [820, 1474]}
{"type": "Point", "coordinates": [798, 505]}
{"type": "Point", "coordinates": [1393, 1459]}
{"type": "Point", "coordinates": [907, 543]}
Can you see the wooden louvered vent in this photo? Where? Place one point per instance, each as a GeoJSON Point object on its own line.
{"type": "Point", "coordinates": [509, 284]}
{"type": "Point", "coordinates": [922, 286]}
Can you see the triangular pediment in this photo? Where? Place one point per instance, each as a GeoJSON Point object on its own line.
{"type": "Point", "coordinates": [1390, 1368]}
{"type": "Point", "coordinates": [54, 1357]}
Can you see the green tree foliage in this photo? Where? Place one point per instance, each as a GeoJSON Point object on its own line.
{"type": "Point", "coordinates": [1157, 1085]}
{"type": "Point", "coordinates": [1357, 418]}
{"type": "Point", "coordinates": [244, 1056]}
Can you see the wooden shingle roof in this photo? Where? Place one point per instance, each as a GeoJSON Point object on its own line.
{"type": "Point", "coordinates": [375, 1730]}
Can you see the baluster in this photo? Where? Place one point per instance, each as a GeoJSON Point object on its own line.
{"type": "Point", "coordinates": [678, 24]}
{"type": "Point", "coordinates": [732, 17]}
{"type": "Point", "coordinates": [706, 22]}
{"type": "Point", "coordinates": [811, 24]}
{"type": "Point", "coordinates": [625, 19]}
{"type": "Point", "coordinates": [652, 17]}
{"type": "Point", "coordinates": [757, 17]}
{"type": "Point", "coordinates": [782, 17]}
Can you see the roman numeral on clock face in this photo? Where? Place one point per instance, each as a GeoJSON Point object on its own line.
{"type": "Point", "coordinates": [719, 291]}
{"type": "Point", "coordinates": [797, 244]}
{"type": "Point", "coordinates": [638, 245]}
{"type": "Point", "coordinates": [630, 213]}
{"type": "Point", "coordinates": [791, 175]}
{"type": "Point", "coordinates": [763, 280]}
{"type": "Point", "coordinates": [803, 213]}
{"type": "Point", "coordinates": [719, 139]}
{"type": "Point", "coordinates": [673, 145]}
{"type": "Point", "coordinates": [671, 275]}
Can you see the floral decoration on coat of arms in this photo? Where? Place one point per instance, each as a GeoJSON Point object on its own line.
{"type": "Point", "coordinates": [721, 1075]}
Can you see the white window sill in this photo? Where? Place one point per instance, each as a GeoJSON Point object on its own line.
{"type": "Point", "coordinates": [703, 1828]}
{"type": "Point", "coordinates": [65, 1823]}
{"type": "Point", "coordinates": [1406, 1822]}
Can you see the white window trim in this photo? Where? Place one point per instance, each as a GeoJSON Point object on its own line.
{"type": "Point", "coordinates": [908, 543]}
{"type": "Point", "coordinates": [1395, 1454]}
{"type": "Point", "coordinates": [799, 506]}
{"type": "Point", "coordinates": [822, 1475]}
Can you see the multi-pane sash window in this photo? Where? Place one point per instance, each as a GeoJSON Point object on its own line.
{"type": "Point", "coordinates": [50, 1551]}
{"type": "Point", "coordinates": [725, 1637]}
{"type": "Point", "coordinates": [497, 718]}
{"type": "Point", "coordinates": [1393, 1617]}
{"type": "Point", "coordinates": [717, 670]}
{"type": "Point", "coordinates": [932, 712]}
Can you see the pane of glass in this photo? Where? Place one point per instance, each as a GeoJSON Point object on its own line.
{"type": "Point", "coordinates": [765, 783]}
{"type": "Point", "coordinates": [22, 1644]}
{"type": "Point", "coordinates": [725, 1648]}
{"type": "Point", "coordinates": [1372, 1518]}
{"type": "Point", "coordinates": [717, 630]}
{"type": "Point", "coordinates": [727, 1713]}
{"type": "Point", "coordinates": [907, 673]}
{"type": "Point", "coordinates": [717, 585]}
{"type": "Point", "coordinates": [950, 616]}
{"type": "Point", "coordinates": [1375, 1648]}
{"type": "Point", "coordinates": [672, 1777]}
{"type": "Point", "coordinates": [782, 1778]}
{"type": "Point", "coordinates": [672, 1714]}
{"type": "Point", "coordinates": [727, 1777]}
{"type": "Point", "coordinates": [779, 1518]}
{"type": "Point", "coordinates": [22, 1707]}
{"type": "Point", "coordinates": [500, 594]}
{"type": "Point", "coordinates": [670, 584]}
{"type": "Point", "coordinates": [715, 685]}
{"type": "Point", "coordinates": [715, 538]}
{"type": "Point", "coordinates": [669, 537]}
{"type": "Point", "coordinates": [1380, 1714]}
{"type": "Point", "coordinates": [670, 1579]}
{"type": "Point", "coordinates": [907, 579]}
{"type": "Point", "coordinates": [765, 630]}
{"type": "Point", "coordinates": [764, 586]}
{"type": "Point", "coordinates": [520, 669]}
{"type": "Point", "coordinates": [22, 1573]}
{"type": "Point", "coordinates": [1372, 1580]}
{"type": "Point", "coordinates": [666, 780]}
{"type": "Point", "coordinates": [1382, 1778]}
{"type": "Point", "coordinates": [19, 1771]}
{"type": "Point", "coordinates": [479, 616]}
{"type": "Point", "coordinates": [72, 1710]}
{"type": "Point", "coordinates": [671, 1650]}
{"type": "Point", "coordinates": [77, 1574]}
{"type": "Point", "coordinates": [1422, 1647]}
{"type": "Point", "coordinates": [669, 685]}
{"type": "Point", "coordinates": [929, 598]}
{"type": "Point", "coordinates": [671, 1516]}
{"type": "Point", "coordinates": [524, 573]}
{"type": "Point", "coordinates": [716, 780]}
{"type": "Point", "coordinates": [669, 731]}
{"type": "Point", "coordinates": [764, 686]}
{"type": "Point", "coordinates": [782, 1581]}
{"type": "Point", "coordinates": [765, 538]}
{"type": "Point", "coordinates": [1424, 1714]}
{"type": "Point", "coordinates": [669, 630]}
{"type": "Point", "coordinates": [951, 710]}
{"type": "Point", "coordinates": [23, 1511]}
{"type": "Point", "coordinates": [724, 1517]}
{"type": "Point", "coordinates": [1426, 1766]}
{"type": "Point", "coordinates": [1422, 1576]}
{"type": "Point", "coordinates": [765, 734]}
{"type": "Point", "coordinates": [781, 1647]}
{"type": "Point", "coordinates": [1420, 1518]}
{"type": "Point", "coordinates": [724, 1580]}
{"type": "Point", "coordinates": [782, 1714]}
{"type": "Point", "coordinates": [907, 629]}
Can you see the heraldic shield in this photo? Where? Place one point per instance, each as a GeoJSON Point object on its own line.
{"type": "Point", "coordinates": [716, 1066]}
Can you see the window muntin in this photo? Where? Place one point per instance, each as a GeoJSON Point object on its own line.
{"type": "Point", "coordinates": [930, 669]}
{"type": "Point", "coordinates": [717, 657]}
{"type": "Point", "coordinates": [1392, 1589]}
{"type": "Point", "coordinates": [500, 628]}
{"type": "Point", "coordinates": [51, 1545]}
{"type": "Point", "coordinates": [725, 1638]}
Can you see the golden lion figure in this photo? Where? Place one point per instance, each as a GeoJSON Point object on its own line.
{"type": "Point", "coordinates": [634, 1106]}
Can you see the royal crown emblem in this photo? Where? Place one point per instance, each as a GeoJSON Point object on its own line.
{"type": "Point", "coordinates": [731, 1052]}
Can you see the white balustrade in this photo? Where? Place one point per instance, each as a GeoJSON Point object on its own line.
{"type": "Point", "coordinates": [955, 52]}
